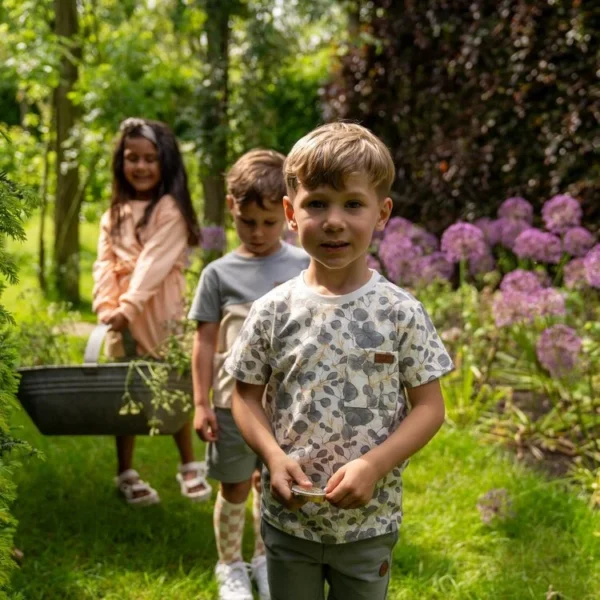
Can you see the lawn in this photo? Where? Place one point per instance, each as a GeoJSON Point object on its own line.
{"type": "Point", "coordinates": [26, 255]}
{"type": "Point", "coordinates": [82, 542]}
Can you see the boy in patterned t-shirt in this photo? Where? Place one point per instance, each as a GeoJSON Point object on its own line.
{"type": "Point", "coordinates": [341, 353]}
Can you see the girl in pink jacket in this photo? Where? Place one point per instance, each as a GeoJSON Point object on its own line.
{"type": "Point", "coordinates": [138, 277]}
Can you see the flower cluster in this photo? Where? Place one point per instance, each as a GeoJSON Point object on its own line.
{"type": "Point", "coordinates": [398, 255]}
{"type": "Point", "coordinates": [509, 230]}
{"type": "Point", "coordinates": [490, 228]}
{"type": "Point", "coordinates": [482, 264]}
{"type": "Point", "coordinates": [521, 281]}
{"type": "Point", "coordinates": [463, 241]}
{"type": "Point", "coordinates": [214, 238]}
{"type": "Point", "coordinates": [538, 245]}
{"type": "Point", "coordinates": [431, 268]}
{"type": "Point", "coordinates": [511, 307]}
{"type": "Point", "coordinates": [558, 349]}
{"type": "Point", "coordinates": [561, 213]}
{"type": "Point", "coordinates": [574, 274]}
{"type": "Point", "coordinates": [495, 505]}
{"type": "Point", "coordinates": [578, 241]}
{"type": "Point", "coordinates": [591, 264]}
{"type": "Point", "coordinates": [516, 209]}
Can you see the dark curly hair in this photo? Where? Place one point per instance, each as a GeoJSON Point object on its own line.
{"type": "Point", "coordinates": [173, 177]}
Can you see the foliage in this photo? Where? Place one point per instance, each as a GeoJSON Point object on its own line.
{"type": "Point", "coordinates": [158, 377]}
{"type": "Point", "coordinates": [16, 204]}
{"type": "Point", "coordinates": [46, 335]}
{"type": "Point", "coordinates": [477, 100]}
{"type": "Point", "coordinates": [150, 59]}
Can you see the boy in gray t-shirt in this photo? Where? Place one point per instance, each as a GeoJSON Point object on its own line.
{"type": "Point", "coordinates": [338, 379]}
{"type": "Point", "coordinates": [228, 287]}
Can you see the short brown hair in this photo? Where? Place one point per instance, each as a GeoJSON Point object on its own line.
{"type": "Point", "coordinates": [257, 176]}
{"type": "Point", "coordinates": [328, 154]}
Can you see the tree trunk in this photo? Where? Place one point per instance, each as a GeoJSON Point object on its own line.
{"type": "Point", "coordinates": [43, 211]}
{"type": "Point", "coordinates": [67, 204]}
{"type": "Point", "coordinates": [213, 104]}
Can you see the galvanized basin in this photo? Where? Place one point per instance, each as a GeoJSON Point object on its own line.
{"type": "Point", "coordinates": [86, 399]}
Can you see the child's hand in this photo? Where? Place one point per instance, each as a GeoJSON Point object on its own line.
{"type": "Point", "coordinates": [352, 485]}
{"type": "Point", "coordinates": [117, 321]}
{"type": "Point", "coordinates": [205, 423]}
{"type": "Point", "coordinates": [286, 472]}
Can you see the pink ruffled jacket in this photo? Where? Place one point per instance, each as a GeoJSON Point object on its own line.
{"type": "Point", "coordinates": [142, 278]}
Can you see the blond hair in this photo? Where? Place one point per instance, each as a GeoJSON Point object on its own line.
{"type": "Point", "coordinates": [328, 154]}
{"type": "Point", "coordinates": [257, 176]}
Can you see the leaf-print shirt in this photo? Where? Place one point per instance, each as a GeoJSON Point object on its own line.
{"type": "Point", "coordinates": [335, 369]}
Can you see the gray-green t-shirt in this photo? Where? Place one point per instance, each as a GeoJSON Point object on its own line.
{"type": "Point", "coordinates": [228, 286]}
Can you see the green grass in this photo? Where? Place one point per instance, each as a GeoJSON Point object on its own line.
{"type": "Point", "coordinates": [82, 542]}
{"type": "Point", "coordinates": [26, 255]}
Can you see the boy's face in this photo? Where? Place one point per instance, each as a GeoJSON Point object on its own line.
{"type": "Point", "coordinates": [336, 226]}
{"type": "Point", "coordinates": [259, 229]}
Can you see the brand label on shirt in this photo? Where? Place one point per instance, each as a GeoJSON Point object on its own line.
{"type": "Point", "coordinates": [384, 358]}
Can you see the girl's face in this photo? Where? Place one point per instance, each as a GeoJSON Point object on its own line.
{"type": "Point", "coordinates": [141, 166]}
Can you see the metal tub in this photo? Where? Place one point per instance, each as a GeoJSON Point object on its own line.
{"type": "Point", "coordinates": [86, 399]}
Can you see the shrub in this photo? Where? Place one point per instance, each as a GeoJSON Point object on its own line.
{"type": "Point", "coordinates": [476, 100]}
{"type": "Point", "coordinates": [16, 204]}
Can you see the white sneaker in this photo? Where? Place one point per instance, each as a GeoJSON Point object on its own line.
{"type": "Point", "coordinates": [259, 574]}
{"type": "Point", "coordinates": [234, 582]}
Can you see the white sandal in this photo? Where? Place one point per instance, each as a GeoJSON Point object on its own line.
{"type": "Point", "coordinates": [187, 485]}
{"type": "Point", "coordinates": [130, 484]}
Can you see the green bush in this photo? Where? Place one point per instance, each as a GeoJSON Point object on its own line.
{"type": "Point", "coordinates": [477, 100]}
{"type": "Point", "coordinates": [16, 204]}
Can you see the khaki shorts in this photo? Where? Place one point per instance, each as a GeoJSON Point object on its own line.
{"type": "Point", "coordinates": [230, 459]}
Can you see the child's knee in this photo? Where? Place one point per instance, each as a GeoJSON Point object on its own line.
{"type": "Point", "coordinates": [236, 493]}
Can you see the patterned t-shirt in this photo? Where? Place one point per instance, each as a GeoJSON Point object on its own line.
{"type": "Point", "coordinates": [335, 369]}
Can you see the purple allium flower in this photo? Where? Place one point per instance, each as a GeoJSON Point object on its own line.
{"type": "Point", "coordinates": [550, 303]}
{"type": "Point", "coordinates": [398, 225]}
{"type": "Point", "coordinates": [511, 306]}
{"type": "Point", "coordinates": [561, 213]}
{"type": "Point", "coordinates": [517, 209]}
{"type": "Point", "coordinates": [592, 266]}
{"type": "Point", "coordinates": [427, 241]}
{"type": "Point", "coordinates": [463, 241]}
{"type": "Point", "coordinates": [574, 274]}
{"type": "Point", "coordinates": [214, 238]}
{"type": "Point", "coordinates": [558, 349]}
{"type": "Point", "coordinates": [491, 229]}
{"type": "Point", "coordinates": [398, 255]}
{"type": "Point", "coordinates": [521, 281]}
{"type": "Point", "coordinates": [495, 505]}
{"type": "Point", "coordinates": [434, 267]}
{"type": "Point", "coordinates": [373, 263]}
{"type": "Point", "coordinates": [538, 245]}
{"type": "Point", "coordinates": [510, 229]}
{"type": "Point", "coordinates": [578, 241]}
{"type": "Point", "coordinates": [482, 264]}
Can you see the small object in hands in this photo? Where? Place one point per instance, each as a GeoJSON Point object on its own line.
{"type": "Point", "coordinates": [313, 494]}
